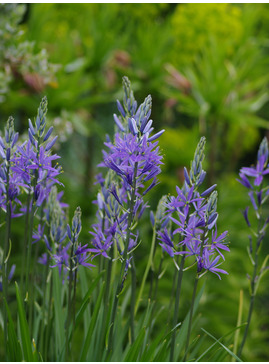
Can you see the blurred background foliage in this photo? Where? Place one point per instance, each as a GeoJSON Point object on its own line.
{"type": "Point", "coordinates": [206, 67]}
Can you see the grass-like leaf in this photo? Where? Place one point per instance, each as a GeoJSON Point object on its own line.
{"type": "Point", "coordinates": [24, 329]}
{"type": "Point", "coordinates": [223, 346]}
{"type": "Point", "coordinates": [14, 351]}
{"type": "Point", "coordinates": [88, 338]}
{"type": "Point", "coordinates": [59, 314]}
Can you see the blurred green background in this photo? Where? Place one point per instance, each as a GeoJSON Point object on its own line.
{"type": "Point", "coordinates": [206, 67]}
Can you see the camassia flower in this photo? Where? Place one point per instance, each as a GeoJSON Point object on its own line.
{"type": "Point", "coordinates": [193, 216]}
{"type": "Point", "coordinates": [257, 194]}
{"type": "Point", "coordinates": [133, 160]}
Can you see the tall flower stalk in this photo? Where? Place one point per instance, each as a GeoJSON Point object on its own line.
{"type": "Point", "coordinates": [258, 195]}
{"type": "Point", "coordinates": [193, 215]}
{"type": "Point", "coordinates": [133, 157]}
{"type": "Point", "coordinates": [9, 192]}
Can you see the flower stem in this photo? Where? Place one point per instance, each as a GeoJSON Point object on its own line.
{"type": "Point", "coordinates": [5, 253]}
{"type": "Point", "coordinates": [178, 289]}
{"type": "Point", "coordinates": [133, 272]}
{"type": "Point", "coordinates": [47, 336]}
{"type": "Point", "coordinates": [253, 280]}
{"type": "Point", "coordinates": [251, 305]}
{"type": "Point", "coordinates": [149, 264]}
{"type": "Point", "coordinates": [69, 304]}
{"type": "Point", "coordinates": [190, 319]}
{"type": "Point", "coordinates": [127, 240]}
{"type": "Point", "coordinates": [25, 241]}
{"type": "Point", "coordinates": [28, 261]}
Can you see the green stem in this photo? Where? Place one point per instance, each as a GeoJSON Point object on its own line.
{"type": "Point", "coordinates": [118, 290]}
{"type": "Point", "coordinates": [157, 278]}
{"type": "Point", "coordinates": [42, 343]}
{"type": "Point", "coordinates": [253, 279]}
{"type": "Point", "coordinates": [47, 336]}
{"type": "Point", "coordinates": [191, 314]}
{"type": "Point", "coordinates": [133, 272]}
{"type": "Point", "coordinates": [194, 293]}
{"type": "Point", "coordinates": [69, 305]}
{"type": "Point", "coordinates": [175, 318]}
{"type": "Point", "coordinates": [106, 307]}
{"type": "Point", "coordinates": [173, 292]}
{"type": "Point", "coordinates": [149, 264]}
{"type": "Point", "coordinates": [113, 314]}
{"type": "Point", "coordinates": [251, 305]}
{"type": "Point", "coordinates": [25, 241]}
{"type": "Point", "coordinates": [28, 261]}
{"type": "Point", "coordinates": [5, 253]}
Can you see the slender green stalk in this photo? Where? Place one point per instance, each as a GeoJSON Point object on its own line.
{"type": "Point", "coordinates": [251, 305]}
{"type": "Point", "coordinates": [190, 320]}
{"type": "Point", "coordinates": [44, 307]}
{"type": "Point", "coordinates": [173, 291]}
{"type": "Point", "coordinates": [253, 281]}
{"type": "Point", "coordinates": [239, 321]}
{"type": "Point", "coordinates": [106, 306]}
{"type": "Point", "coordinates": [69, 304]}
{"type": "Point", "coordinates": [25, 241]}
{"type": "Point", "coordinates": [193, 296]}
{"type": "Point", "coordinates": [5, 254]}
{"type": "Point", "coordinates": [113, 314]}
{"type": "Point", "coordinates": [32, 288]}
{"type": "Point", "coordinates": [157, 278]}
{"type": "Point", "coordinates": [119, 286]}
{"type": "Point", "coordinates": [133, 272]}
{"type": "Point", "coordinates": [149, 264]}
{"type": "Point", "coordinates": [28, 260]}
{"type": "Point", "coordinates": [178, 290]}
{"type": "Point", "coordinates": [47, 336]}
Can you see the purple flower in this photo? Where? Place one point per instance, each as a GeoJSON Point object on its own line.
{"type": "Point", "coordinates": [211, 263]}
{"type": "Point", "coordinates": [82, 256]}
{"type": "Point", "coordinates": [218, 242]}
{"type": "Point", "coordinates": [261, 168]}
{"type": "Point", "coordinates": [100, 242]}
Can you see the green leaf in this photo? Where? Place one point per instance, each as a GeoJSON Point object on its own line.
{"type": "Point", "coordinates": [182, 334]}
{"type": "Point", "coordinates": [86, 299]}
{"type": "Point", "coordinates": [24, 329]}
{"type": "Point", "coordinates": [149, 353]}
{"type": "Point", "coordinates": [223, 346]}
{"type": "Point", "coordinates": [133, 352]}
{"type": "Point", "coordinates": [88, 339]}
{"type": "Point", "coordinates": [14, 351]}
{"type": "Point", "coordinates": [59, 313]}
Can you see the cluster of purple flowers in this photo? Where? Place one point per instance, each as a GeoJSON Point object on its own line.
{"type": "Point", "coordinates": [193, 221]}
{"type": "Point", "coordinates": [257, 194]}
{"type": "Point", "coordinates": [30, 168]}
{"type": "Point", "coordinates": [133, 159]}
{"type": "Point", "coordinates": [63, 249]}
{"type": "Point", "coordinates": [27, 167]}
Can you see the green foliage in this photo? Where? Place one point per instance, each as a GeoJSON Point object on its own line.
{"type": "Point", "coordinates": [194, 24]}
{"type": "Point", "coordinates": [225, 95]}
{"type": "Point", "coordinates": [19, 62]}
{"type": "Point", "coordinates": [218, 56]}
